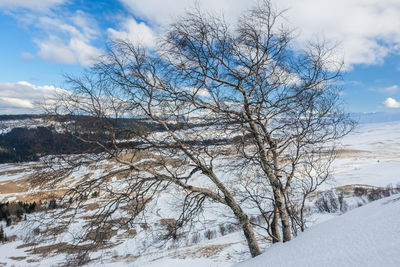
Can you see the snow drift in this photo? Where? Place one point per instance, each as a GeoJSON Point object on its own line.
{"type": "Point", "coordinates": [366, 236]}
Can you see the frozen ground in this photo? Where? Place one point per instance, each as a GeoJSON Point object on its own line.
{"type": "Point", "coordinates": [366, 236]}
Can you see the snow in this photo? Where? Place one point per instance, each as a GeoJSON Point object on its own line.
{"type": "Point", "coordinates": [185, 263]}
{"type": "Point", "coordinates": [366, 236]}
{"type": "Point", "coordinates": [372, 157]}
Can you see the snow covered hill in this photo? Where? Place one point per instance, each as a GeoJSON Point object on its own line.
{"type": "Point", "coordinates": [366, 236]}
{"type": "Point", "coordinates": [369, 160]}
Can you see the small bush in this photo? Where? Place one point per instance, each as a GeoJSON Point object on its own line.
{"type": "Point", "coordinates": [195, 238]}
{"type": "Point", "coordinates": [2, 235]}
{"type": "Point", "coordinates": [222, 229]}
{"type": "Point", "coordinates": [78, 259]}
{"type": "Point", "coordinates": [360, 191]}
{"type": "Point", "coordinates": [210, 234]}
{"type": "Point", "coordinates": [230, 228]}
{"type": "Point", "coordinates": [328, 202]}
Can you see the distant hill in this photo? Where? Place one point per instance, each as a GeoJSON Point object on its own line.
{"type": "Point", "coordinates": [376, 117]}
{"type": "Point", "coordinates": [28, 137]}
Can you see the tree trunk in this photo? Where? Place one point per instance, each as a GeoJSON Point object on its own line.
{"type": "Point", "coordinates": [250, 237]}
{"type": "Point", "coordinates": [246, 225]}
{"type": "Point", "coordinates": [303, 224]}
{"type": "Point", "coordinates": [276, 237]}
{"type": "Point", "coordinates": [284, 215]}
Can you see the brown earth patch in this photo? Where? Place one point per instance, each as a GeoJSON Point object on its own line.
{"type": "Point", "coordinates": [18, 258]}
{"type": "Point", "coordinates": [14, 186]}
{"type": "Point", "coordinates": [27, 245]}
{"type": "Point", "coordinates": [43, 196]}
{"type": "Point", "coordinates": [348, 152]}
{"type": "Point", "coordinates": [32, 260]}
{"type": "Point", "coordinates": [62, 228]}
{"type": "Point", "coordinates": [64, 247]}
{"type": "Point", "coordinates": [91, 206]}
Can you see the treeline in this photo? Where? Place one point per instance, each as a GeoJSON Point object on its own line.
{"type": "Point", "coordinates": [21, 117]}
{"type": "Point", "coordinates": [14, 212]}
{"type": "Point", "coordinates": [11, 211]}
{"type": "Point", "coordinates": [22, 144]}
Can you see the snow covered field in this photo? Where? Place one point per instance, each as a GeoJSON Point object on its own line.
{"type": "Point", "coordinates": [369, 156]}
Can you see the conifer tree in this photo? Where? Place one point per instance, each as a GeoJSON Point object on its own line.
{"type": "Point", "coordinates": [1, 233]}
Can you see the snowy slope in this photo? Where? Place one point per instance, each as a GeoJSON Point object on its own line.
{"type": "Point", "coordinates": [369, 155]}
{"type": "Point", "coordinates": [366, 236]}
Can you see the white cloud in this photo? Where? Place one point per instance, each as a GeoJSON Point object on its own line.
{"type": "Point", "coordinates": [390, 89]}
{"type": "Point", "coordinates": [137, 33]}
{"type": "Point", "coordinates": [68, 39]}
{"type": "Point", "coordinates": [36, 5]}
{"type": "Point", "coordinates": [86, 54]}
{"type": "Point", "coordinates": [164, 12]}
{"type": "Point", "coordinates": [368, 30]}
{"type": "Point", "coordinates": [53, 49]}
{"type": "Point", "coordinates": [391, 103]}
{"type": "Point", "coordinates": [24, 97]}
{"type": "Point", "coordinates": [16, 102]}
{"type": "Point", "coordinates": [61, 37]}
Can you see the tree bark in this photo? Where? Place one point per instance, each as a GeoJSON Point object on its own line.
{"type": "Point", "coordinates": [276, 237]}
{"type": "Point", "coordinates": [245, 223]}
{"type": "Point", "coordinates": [283, 214]}
{"type": "Point", "coordinates": [250, 237]}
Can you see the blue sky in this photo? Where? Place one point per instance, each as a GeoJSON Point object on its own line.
{"type": "Point", "coordinates": [43, 39]}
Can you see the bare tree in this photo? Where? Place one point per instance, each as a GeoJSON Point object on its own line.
{"type": "Point", "coordinates": [211, 96]}
{"type": "Point", "coordinates": [283, 105]}
{"type": "Point", "coordinates": [178, 152]}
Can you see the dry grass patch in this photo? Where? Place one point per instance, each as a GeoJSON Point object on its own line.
{"type": "Point", "coordinates": [66, 248]}
{"type": "Point", "coordinates": [18, 258]}
{"type": "Point", "coordinates": [26, 245]}
{"type": "Point", "coordinates": [344, 153]}
{"type": "Point", "coordinates": [16, 186]}
{"type": "Point", "coordinates": [43, 196]}
{"type": "Point", "coordinates": [91, 207]}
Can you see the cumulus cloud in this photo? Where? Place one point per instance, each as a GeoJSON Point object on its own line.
{"type": "Point", "coordinates": [23, 97]}
{"type": "Point", "coordinates": [69, 39]}
{"type": "Point", "coordinates": [61, 37]}
{"type": "Point", "coordinates": [138, 33]}
{"type": "Point", "coordinates": [164, 12]}
{"type": "Point", "coordinates": [367, 30]}
{"type": "Point", "coordinates": [53, 49]}
{"type": "Point", "coordinates": [391, 103]}
{"type": "Point", "coordinates": [36, 5]}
